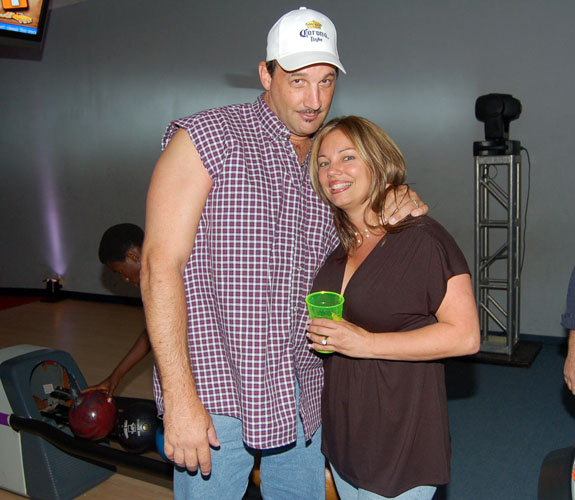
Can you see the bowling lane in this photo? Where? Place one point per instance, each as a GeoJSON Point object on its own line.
{"type": "Point", "coordinates": [97, 336]}
{"type": "Point", "coordinates": [118, 487]}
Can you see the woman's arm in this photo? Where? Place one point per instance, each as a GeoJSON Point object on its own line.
{"type": "Point", "coordinates": [456, 332]}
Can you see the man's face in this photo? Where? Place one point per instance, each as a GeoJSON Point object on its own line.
{"type": "Point", "coordinates": [128, 269]}
{"type": "Point", "coordinates": [302, 98]}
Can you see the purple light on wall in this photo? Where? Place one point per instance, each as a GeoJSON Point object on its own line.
{"type": "Point", "coordinates": [52, 220]}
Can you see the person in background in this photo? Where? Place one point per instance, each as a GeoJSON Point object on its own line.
{"type": "Point", "coordinates": [408, 304]}
{"type": "Point", "coordinates": [234, 236]}
{"type": "Point", "coordinates": [121, 250]}
{"type": "Point", "coordinates": [568, 322]}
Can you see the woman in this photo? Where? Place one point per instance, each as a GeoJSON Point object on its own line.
{"type": "Point", "coordinates": [408, 304]}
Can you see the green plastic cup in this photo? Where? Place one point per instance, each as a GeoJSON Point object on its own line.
{"type": "Point", "coordinates": [327, 305]}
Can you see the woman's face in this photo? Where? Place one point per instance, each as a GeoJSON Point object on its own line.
{"type": "Point", "coordinates": [343, 175]}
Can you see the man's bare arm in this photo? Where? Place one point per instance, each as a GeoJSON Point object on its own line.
{"type": "Point", "coordinates": [569, 366]}
{"type": "Point", "coordinates": [178, 191]}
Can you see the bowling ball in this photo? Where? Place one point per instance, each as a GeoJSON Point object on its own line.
{"type": "Point", "coordinates": [92, 416]}
{"type": "Point", "coordinates": [137, 425]}
{"type": "Point", "coordinates": [160, 441]}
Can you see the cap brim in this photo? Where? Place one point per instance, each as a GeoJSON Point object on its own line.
{"type": "Point", "coordinates": [297, 61]}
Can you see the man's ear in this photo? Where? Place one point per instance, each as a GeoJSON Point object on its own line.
{"type": "Point", "coordinates": [134, 254]}
{"type": "Point", "coordinates": [265, 77]}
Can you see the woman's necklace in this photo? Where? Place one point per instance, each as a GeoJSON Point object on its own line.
{"type": "Point", "coordinates": [364, 235]}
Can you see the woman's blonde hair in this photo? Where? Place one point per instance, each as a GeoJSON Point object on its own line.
{"type": "Point", "coordinates": [384, 161]}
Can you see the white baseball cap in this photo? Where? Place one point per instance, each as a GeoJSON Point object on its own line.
{"type": "Point", "coordinates": [303, 37]}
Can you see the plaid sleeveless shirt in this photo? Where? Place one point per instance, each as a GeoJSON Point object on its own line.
{"type": "Point", "coordinates": [262, 237]}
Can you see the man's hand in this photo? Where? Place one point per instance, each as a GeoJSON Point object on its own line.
{"type": "Point", "coordinates": [108, 386]}
{"type": "Point", "coordinates": [188, 435]}
{"type": "Point", "coordinates": [405, 202]}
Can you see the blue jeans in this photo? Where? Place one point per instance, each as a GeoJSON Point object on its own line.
{"type": "Point", "coordinates": [347, 491]}
{"type": "Point", "coordinates": [289, 473]}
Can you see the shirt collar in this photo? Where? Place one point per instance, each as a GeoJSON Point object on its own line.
{"type": "Point", "coordinates": [270, 121]}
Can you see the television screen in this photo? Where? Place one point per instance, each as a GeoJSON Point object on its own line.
{"type": "Point", "coordinates": [23, 19]}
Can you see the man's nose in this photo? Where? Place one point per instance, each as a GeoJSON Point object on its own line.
{"type": "Point", "coordinates": [312, 98]}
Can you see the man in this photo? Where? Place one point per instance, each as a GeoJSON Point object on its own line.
{"type": "Point", "coordinates": [234, 236]}
{"type": "Point", "coordinates": [120, 250]}
{"type": "Point", "coordinates": [568, 322]}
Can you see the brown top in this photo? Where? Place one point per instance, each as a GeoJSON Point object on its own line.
{"type": "Point", "coordinates": [385, 423]}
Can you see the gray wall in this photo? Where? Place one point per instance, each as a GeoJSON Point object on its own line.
{"type": "Point", "coordinates": [81, 128]}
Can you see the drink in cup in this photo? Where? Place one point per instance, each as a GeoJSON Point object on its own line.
{"type": "Point", "coordinates": [327, 305]}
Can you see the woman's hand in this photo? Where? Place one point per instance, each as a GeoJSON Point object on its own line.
{"type": "Point", "coordinates": [340, 336]}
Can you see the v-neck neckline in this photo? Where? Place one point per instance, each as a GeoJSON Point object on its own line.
{"type": "Point", "coordinates": [358, 268]}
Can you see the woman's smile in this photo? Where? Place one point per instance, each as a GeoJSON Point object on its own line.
{"type": "Point", "coordinates": [343, 175]}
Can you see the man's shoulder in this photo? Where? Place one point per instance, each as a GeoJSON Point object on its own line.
{"type": "Point", "coordinates": [223, 124]}
{"type": "Point", "coordinates": [228, 113]}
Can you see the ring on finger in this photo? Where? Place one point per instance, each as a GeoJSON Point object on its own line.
{"type": "Point", "coordinates": [324, 342]}
{"type": "Point", "coordinates": [416, 203]}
